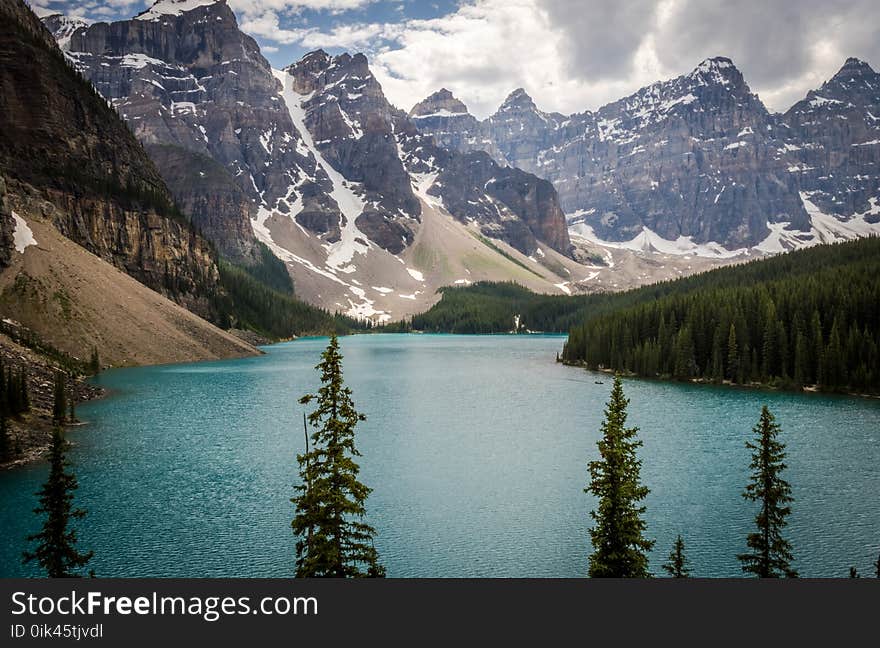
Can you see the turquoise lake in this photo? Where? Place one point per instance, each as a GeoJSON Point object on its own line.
{"type": "Point", "coordinates": [476, 448]}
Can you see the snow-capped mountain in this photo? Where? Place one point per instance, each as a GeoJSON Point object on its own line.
{"type": "Point", "coordinates": [833, 136]}
{"type": "Point", "coordinates": [363, 208]}
{"type": "Point", "coordinates": [697, 164]}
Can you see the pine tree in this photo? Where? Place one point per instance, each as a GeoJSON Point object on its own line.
{"type": "Point", "coordinates": [732, 355]}
{"type": "Point", "coordinates": [619, 546]}
{"type": "Point", "coordinates": [95, 362]}
{"type": "Point", "coordinates": [59, 407]}
{"type": "Point", "coordinates": [56, 549]}
{"type": "Point", "coordinates": [685, 365]}
{"type": "Point", "coordinates": [770, 554]}
{"type": "Point", "coordinates": [676, 564]}
{"type": "Point", "coordinates": [330, 504]}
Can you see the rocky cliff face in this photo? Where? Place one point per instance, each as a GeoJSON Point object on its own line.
{"type": "Point", "coordinates": [510, 204]}
{"type": "Point", "coordinates": [324, 151]}
{"type": "Point", "coordinates": [7, 227]}
{"type": "Point", "coordinates": [68, 157]}
{"type": "Point", "coordinates": [350, 123]}
{"type": "Point", "coordinates": [206, 191]}
{"type": "Point", "coordinates": [833, 135]}
{"type": "Point", "coordinates": [185, 75]}
{"type": "Point", "coordinates": [695, 160]}
{"type": "Point", "coordinates": [447, 119]}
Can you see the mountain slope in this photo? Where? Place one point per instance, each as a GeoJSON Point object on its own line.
{"type": "Point", "coordinates": [183, 74]}
{"type": "Point", "coordinates": [71, 159]}
{"type": "Point", "coordinates": [337, 178]}
{"type": "Point", "coordinates": [834, 136]}
{"type": "Point", "coordinates": [694, 165]}
{"type": "Point", "coordinates": [77, 302]}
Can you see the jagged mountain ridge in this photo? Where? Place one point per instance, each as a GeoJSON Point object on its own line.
{"type": "Point", "coordinates": [316, 146]}
{"type": "Point", "coordinates": [694, 164]}
{"type": "Point", "coordinates": [834, 136]}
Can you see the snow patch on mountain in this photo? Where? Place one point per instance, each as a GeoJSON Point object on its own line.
{"type": "Point", "coordinates": [172, 8]}
{"type": "Point", "coordinates": [23, 237]}
{"type": "Point", "coordinates": [352, 240]}
{"type": "Point", "coordinates": [649, 241]}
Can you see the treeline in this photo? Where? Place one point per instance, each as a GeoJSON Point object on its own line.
{"type": "Point", "coordinates": [810, 317]}
{"type": "Point", "coordinates": [14, 401]}
{"type": "Point", "coordinates": [14, 397]}
{"type": "Point", "coordinates": [487, 307]}
{"type": "Point", "coordinates": [271, 271]}
{"type": "Point", "coordinates": [250, 304]}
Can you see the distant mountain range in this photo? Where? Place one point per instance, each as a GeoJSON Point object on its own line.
{"type": "Point", "coordinates": [697, 160]}
{"type": "Point", "coordinates": [373, 209]}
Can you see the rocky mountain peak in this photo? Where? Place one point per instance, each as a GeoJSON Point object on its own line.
{"type": "Point", "coordinates": [856, 81]}
{"type": "Point", "coordinates": [440, 104]}
{"type": "Point", "coordinates": [63, 27]}
{"type": "Point", "coordinates": [855, 66]}
{"type": "Point", "coordinates": [718, 70]}
{"type": "Point", "coordinates": [519, 99]}
{"type": "Point", "coordinates": [317, 70]}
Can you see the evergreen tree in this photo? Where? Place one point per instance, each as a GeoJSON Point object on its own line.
{"type": "Point", "coordinates": [619, 546]}
{"type": "Point", "coordinates": [56, 549]}
{"type": "Point", "coordinates": [685, 365]}
{"type": "Point", "coordinates": [717, 355]}
{"type": "Point", "coordinates": [59, 407]}
{"type": "Point", "coordinates": [330, 504]}
{"type": "Point", "coordinates": [95, 362]}
{"type": "Point", "coordinates": [676, 564]}
{"type": "Point", "coordinates": [801, 360]}
{"type": "Point", "coordinates": [732, 355]}
{"type": "Point", "coordinates": [770, 554]}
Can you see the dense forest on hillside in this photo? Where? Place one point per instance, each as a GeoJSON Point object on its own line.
{"type": "Point", "coordinates": [488, 307]}
{"type": "Point", "coordinates": [810, 317]}
{"type": "Point", "coordinates": [250, 304]}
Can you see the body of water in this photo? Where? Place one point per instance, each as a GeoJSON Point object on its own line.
{"type": "Point", "coordinates": [476, 448]}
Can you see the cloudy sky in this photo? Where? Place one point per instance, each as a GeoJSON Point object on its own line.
{"type": "Point", "coordinates": [569, 55]}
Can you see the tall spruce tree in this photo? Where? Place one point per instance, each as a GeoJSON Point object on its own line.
{"type": "Point", "coordinates": [732, 355]}
{"type": "Point", "coordinates": [56, 544]}
{"type": "Point", "coordinates": [59, 406]}
{"type": "Point", "coordinates": [333, 540]}
{"type": "Point", "coordinates": [676, 564]}
{"type": "Point", "coordinates": [769, 554]}
{"type": "Point", "coordinates": [619, 545]}
{"type": "Point", "coordinates": [94, 361]}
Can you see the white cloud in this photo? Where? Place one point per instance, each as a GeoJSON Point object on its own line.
{"type": "Point", "coordinates": [481, 52]}
{"type": "Point", "coordinates": [571, 56]}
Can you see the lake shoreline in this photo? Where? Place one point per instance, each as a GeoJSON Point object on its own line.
{"type": "Point", "coordinates": [755, 386]}
{"type": "Point", "coordinates": [476, 448]}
